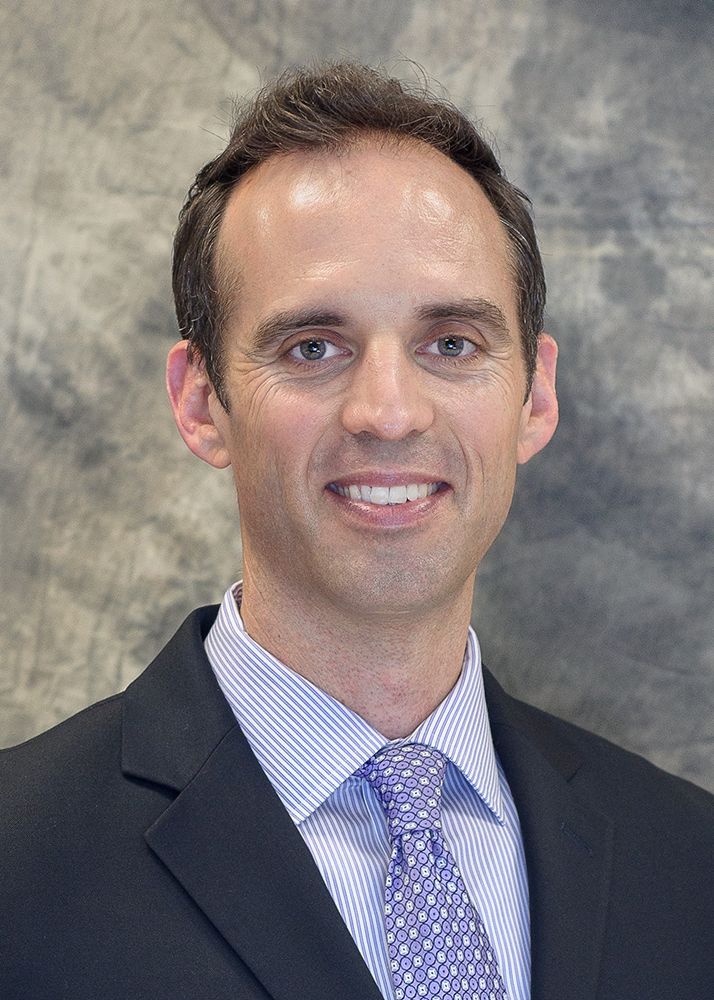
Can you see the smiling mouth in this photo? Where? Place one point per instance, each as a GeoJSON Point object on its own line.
{"type": "Point", "coordinates": [386, 495]}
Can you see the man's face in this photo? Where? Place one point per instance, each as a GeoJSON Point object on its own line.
{"type": "Point", "coordinates": [372, 353]}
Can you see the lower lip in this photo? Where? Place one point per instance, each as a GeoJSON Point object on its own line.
{"type": "Point", "coordinates": [399, 515]}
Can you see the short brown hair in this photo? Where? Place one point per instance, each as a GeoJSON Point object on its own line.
{"type": "Point", "coordinates": [328, 107]}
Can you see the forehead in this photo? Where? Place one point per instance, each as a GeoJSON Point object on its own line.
{"type": "Point", "coordinates": [396, 215]}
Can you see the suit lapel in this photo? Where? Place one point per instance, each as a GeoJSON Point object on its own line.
{"type": "Point", "coordinates": [228, 839]}
{"type": "Point", "coordinates": [568, 848]}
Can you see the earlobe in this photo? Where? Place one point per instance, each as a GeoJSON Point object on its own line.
{"type": "Point", "coordinates": [190, 390]}
{"type": "Point", "coordinates": [540, 412]}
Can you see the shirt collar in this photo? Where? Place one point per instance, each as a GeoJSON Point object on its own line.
{"type": "Point", "coordinates": [460, 729]}
{"type": "Point", "coordinates": [308, 743]}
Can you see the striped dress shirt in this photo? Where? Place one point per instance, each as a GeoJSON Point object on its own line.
{"type": "Point", "coordinates": [310, 745]}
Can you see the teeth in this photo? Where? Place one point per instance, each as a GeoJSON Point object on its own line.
{"type": "Point", "coordinates": [383, 495]}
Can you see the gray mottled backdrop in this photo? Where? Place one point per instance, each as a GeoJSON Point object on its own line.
{"type": "Point", "coordinates": [596, 601]}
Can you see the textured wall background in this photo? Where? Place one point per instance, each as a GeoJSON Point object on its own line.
{"type": "Point", "coordinates": [596, 601]}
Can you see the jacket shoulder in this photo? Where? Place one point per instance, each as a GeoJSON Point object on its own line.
{"type": "Point", "coordinates": [54, 775]}
{"type": "Point", "coordinates": [613, 778]}
{"type": "Point", "coordinates": [71, 752]}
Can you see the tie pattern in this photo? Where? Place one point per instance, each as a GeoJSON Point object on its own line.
{"type": "Point", "coordinates": [437, 944]}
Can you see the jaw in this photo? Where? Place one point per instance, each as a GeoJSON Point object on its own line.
{"type": "Point", "coordinates": [373, 566]}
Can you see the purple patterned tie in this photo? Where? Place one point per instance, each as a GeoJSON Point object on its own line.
{"type": "Point", "coordinates": [438, 946]}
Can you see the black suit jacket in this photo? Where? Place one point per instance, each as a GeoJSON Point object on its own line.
{"type": "Point", "coordinates": [144, 854]}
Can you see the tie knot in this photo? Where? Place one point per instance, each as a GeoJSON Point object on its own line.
{"type": "Point", "coordinates": [408, 780]}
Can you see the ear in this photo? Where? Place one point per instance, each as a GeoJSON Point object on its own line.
{"type": "Point", "coordinates": [190, 392]}
{"type": "Point", "coordinates": [540, 411]}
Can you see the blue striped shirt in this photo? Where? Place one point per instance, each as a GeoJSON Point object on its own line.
{"type": "Point", "coordinates": [310, 745]}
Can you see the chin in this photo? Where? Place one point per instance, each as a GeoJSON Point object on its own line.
{"type": "Point", "coordinates": [400, 589]}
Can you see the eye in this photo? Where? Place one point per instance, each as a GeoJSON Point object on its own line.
{"type": "Point", "coordinates": [314, 349]}
{"type": "Point", "coordinates": [451, 347]}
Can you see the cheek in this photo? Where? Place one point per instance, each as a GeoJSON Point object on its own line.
{"type": "Point", "coordinates": [488, 428]}
{"type": "Point", "coordinates": [275, 434]}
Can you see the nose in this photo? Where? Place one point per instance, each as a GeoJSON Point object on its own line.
{"type": "Point", "coordinates": [387, 396]}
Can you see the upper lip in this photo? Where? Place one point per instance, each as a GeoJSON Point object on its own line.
{"type": "Point", "coordinates": [392, 478]}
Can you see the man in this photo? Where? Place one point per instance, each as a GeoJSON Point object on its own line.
{"type": "Point", "coordinates": [309, 794]}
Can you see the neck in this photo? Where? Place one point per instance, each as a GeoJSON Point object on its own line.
{"type": "Point", "coordinates": [392, 670]}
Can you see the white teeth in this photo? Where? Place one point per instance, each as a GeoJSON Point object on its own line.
{"type": "Point", "coordinates": [383, 495]}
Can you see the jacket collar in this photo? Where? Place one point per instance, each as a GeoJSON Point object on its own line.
{"type": "Point", "coordinates": [164, 738]}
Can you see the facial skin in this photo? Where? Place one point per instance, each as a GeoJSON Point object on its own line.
{"type": "Point", "coordinates": [390, 267]}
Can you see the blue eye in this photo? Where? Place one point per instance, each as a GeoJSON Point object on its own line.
{"type": "Point", "coordinates": [451, 347]}
{"type": "Point", "coordinates": [314, 350]}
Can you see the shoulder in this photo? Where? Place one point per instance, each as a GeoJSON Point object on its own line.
{"type": "Point", "coordinates": [64, 803]}
{"type": "Point", "coordinates": [72, 753]}
{"type": "Point", "coordinates": [613, 779]}
{"type": "Point", "coordinates": [74, 771]}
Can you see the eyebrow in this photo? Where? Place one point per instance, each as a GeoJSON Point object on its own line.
{"type": "Point", "coordinates": [479, 310]}
{"type": "Point", "coordinates": [273, 328]}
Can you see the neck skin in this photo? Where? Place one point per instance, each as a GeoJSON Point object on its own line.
{"type": "Point", "coordinates": [392, 671]}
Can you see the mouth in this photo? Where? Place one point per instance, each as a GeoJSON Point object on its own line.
{"type": "Point", "coordinates": [383, 495]}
